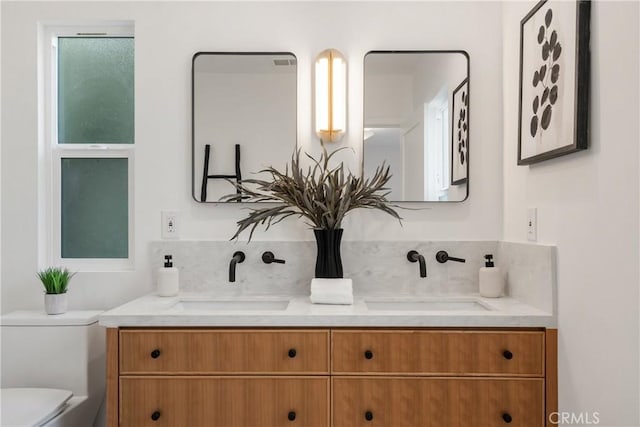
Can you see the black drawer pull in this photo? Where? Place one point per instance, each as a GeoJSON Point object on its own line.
{"type": "Point", "coordinates": [291, 416]}
{"type": "Point", "coordinates": [507, 418]}
{"type": "Point", "coordinates": [507, 355]}
{"type": "Point", "coordinates": [292, 353]}
{"type": "Point", "coordinates": [155, 416]}
{"type": "Point", "coordinates": [155, 354]}
{"type": "Point", "coordinates": [368, 354]}
{"type": "Point", "coordinates": [368, 415]}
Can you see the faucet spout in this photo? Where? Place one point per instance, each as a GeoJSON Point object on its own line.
{"type": "Point", "coordinates": [414, 256]}
{"type": "Point", "coordinates": [237, 258]}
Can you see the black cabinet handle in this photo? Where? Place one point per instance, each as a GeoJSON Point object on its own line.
{"type": "Point", "coordinates": [155, 416]}
{"type": "Point", "coordinates": [507, 418]}
{"type": "Point", "coordinates": [368, 354]}
{"type": "Point", "coordinates": [368, 415]}
{"type": "Point", "coordinates": [291, 416]}
{"type": "Point", "coordinates": [292, 353]}
{"type": "Point", "coordinates": [155, 354]}
{"type": "Point", "coordinates": [507, 355]}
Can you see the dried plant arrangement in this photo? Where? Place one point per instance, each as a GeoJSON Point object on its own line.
{"type": "Point", "coordinates": [320, 194]}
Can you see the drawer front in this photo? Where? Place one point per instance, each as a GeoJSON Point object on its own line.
{"type": "Point", "coordinates": [438, 352]}
{"type": "Point", "coordinates": [223, 351]}
{"type": "Point", "coordinates": [437, 402]}
{"type": "Point", "coordinates": [224, 401]}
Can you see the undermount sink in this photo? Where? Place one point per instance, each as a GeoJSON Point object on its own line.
{"type": "Point", "coordinates": [429, 305]}
{"type": "Point", "coordinates": [234, 305]}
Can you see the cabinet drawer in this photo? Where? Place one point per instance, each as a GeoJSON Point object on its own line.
{"type": "Point", "coordinates": [437, 402]}
{"type": "Point", "coordinates": [192, 351]}
{"type": "Point", "coordinates": [224, 401]}
{"type": "Point", "coordinates": [438, 352]}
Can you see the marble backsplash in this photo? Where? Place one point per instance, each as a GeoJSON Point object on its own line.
{"type": "Point", "coordinates": [530, 271]}
{"type": "Point", "coordinates": [376, 268]}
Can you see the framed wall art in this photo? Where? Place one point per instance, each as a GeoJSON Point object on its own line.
{"type": "Point", "coordinates": [554, 80]}
{"type": "Point", "coordinates": [460, 134]}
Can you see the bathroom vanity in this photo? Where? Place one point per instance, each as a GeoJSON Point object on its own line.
{"type": "Point", "coordinates": [172, 363]}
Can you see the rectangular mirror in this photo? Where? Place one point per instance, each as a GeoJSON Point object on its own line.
{"type": "Point", "coordinates": [243, 117]}
{"type": "Point", "coordinates": [416, 120]}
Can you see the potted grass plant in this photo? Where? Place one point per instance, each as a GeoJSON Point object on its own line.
{"type": "Point", "coordinates": [321, 195]}
{"type": "Point", "coordinates": [55, 281]}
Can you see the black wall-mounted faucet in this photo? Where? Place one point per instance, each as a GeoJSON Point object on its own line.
{"type": "Point", "coordinates": [443, 256]}
{"type": "Point", "coordinates": [414, 256]}
{"type": "Point", "coordinates": [268, 257]}
{"type": "Point", "coordinates": [238, 258]}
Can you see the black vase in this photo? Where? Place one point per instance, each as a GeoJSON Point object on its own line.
{"type": "Point", "coordinates": [328, 260]}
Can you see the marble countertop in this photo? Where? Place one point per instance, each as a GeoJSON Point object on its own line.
{"type": "Point", "coordinates": [154, 311]}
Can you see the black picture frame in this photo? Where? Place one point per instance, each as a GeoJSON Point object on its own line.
{"type": "Point", "coordinates": [460, 134]}
{"type": "Point", "coordinates": [553, 113]}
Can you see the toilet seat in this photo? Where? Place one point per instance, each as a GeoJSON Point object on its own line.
{"type": "Point", "coordinates": [31, 407]}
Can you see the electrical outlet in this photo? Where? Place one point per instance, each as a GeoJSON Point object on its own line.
{"type": "Point", "coordinates": [170, 229]}
{"type": "Point", "coordinates": [532, 224]}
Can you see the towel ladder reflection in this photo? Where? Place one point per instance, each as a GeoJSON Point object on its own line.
{"type": "Point", "coordinates": [206, 177]}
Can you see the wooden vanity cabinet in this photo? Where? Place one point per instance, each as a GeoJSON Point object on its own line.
{"type": "Point", "coordinates": [340, 377]}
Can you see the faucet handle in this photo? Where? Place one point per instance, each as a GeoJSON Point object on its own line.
{"type": "Point", "coordinates": [443, 256]}
{"type": "Point", "coordinates": [268, 257]}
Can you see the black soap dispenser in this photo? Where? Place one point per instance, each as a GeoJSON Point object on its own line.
{"type": "Point", "coordinates": [491, 279]}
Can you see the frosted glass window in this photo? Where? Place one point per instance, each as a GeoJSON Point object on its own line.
{"type": "Point", "coordinates": [94, 208]}
{"type": "Point", "coordinates": [95, 90]}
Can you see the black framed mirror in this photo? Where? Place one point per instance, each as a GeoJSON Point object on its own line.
{"type": "Point", "coordinates": [416, 120]}
{"type": "Point", "coordinates": [244, 117]}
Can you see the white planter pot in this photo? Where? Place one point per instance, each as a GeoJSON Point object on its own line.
{"type": "Point", "coordinates": [55, 303]}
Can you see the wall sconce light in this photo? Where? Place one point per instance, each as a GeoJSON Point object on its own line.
{"type": "Point", "coordinates": [331, 95]}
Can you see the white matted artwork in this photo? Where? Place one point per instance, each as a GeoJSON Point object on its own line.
{"type": "Point", "coordinates": [460, 134]}
{"type": "Point", "coordinates": [554, 80]}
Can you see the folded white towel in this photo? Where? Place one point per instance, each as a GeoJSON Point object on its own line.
{"type": "Point", "coordinates": [342, 299]}
{"type": "Point", "coordinates": [331, 291]}
{"type": "Point", "coordinates": [338, 286]}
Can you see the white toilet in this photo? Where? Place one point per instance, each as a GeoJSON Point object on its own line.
{"type": "Point", "coordinates": [53, 369]}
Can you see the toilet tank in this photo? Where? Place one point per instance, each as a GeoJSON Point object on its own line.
{"type": "Point", "coordinates": [64, 351]}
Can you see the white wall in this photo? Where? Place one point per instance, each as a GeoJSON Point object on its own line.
{"type": "Point", "coordinates": [588, 206]}
{"type": "Point", "coordinates": [387, 99]}
{"type": "Point", "coordinates": [167, 35]}
{"type": "Point", "coordinates": [0, 156]}
{"type": "Point", "coordinates": [385, 146]}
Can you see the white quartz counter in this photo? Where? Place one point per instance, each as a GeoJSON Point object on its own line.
{"type": "Point", "coordinates": [154, 311]}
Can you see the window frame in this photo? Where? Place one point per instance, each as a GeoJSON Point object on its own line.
{"type": "Point", "coordinates": [437, 146]}
{"type": "Point", "coordinates": [52, 153]}
{"type": "Point", "coordinates": [442, 115]}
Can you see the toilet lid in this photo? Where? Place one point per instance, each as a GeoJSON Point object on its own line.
{"type": "Point", "coordinates": [28, 407]}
